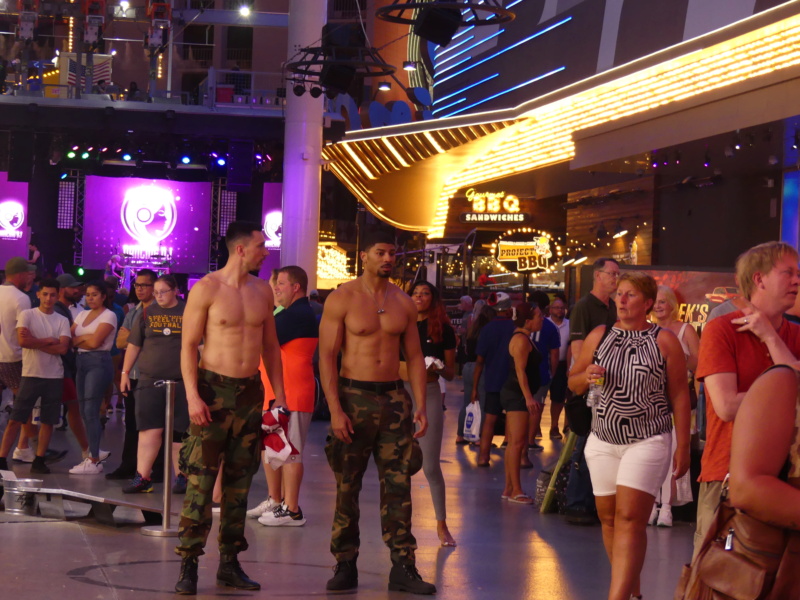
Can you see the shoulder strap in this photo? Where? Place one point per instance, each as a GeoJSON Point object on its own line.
{"type": "Point", "coordinates": [602, 339]}
{"type": "Point", "coordinates": [681, 332]}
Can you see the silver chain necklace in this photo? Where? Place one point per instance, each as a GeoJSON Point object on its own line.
{"type": "Point", "coordinates": [381, 310]}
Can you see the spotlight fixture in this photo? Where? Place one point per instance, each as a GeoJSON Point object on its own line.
{"type": "Point", "coordinates": [315, 92]}
{"type": "Point", "coordinates": [707, 160]}
{"type": "Point", "coordinates": [619, 230]}
{"type": "Point", "coordinates": [385, 86]}
{"type": "Point", "coordinates": [654, 160]}
{"type": "Point", "coordinates": [579, 258]}
{"type": "Point", "coordinates": [85, 155]}
{"type": "Point", "coordinates": [796, 142]}
{"type": "Point", "coordinates": [737, 142]}
{"type": "Point", "coordinates": [63, 176]}
{"type": "Point", "coordinates": [126, 157]}
{"type": "Point", "coordinates": [244, 11]}
{"type": "Point", "coordinates": [567, 262]}
{"type": "Point", "coordinates": [677, 157]}
{"type": "Point", "coordinates": [71, 154]}
{"type": "Point", "coordinates": [186, 160]}
{"type": "Point", "coordinates": [299, 90]}
{"type": "Point", "coordinates": [602, 232]}
{"type": "Point", "coordinates": [221, 161]}
{"type": "Point", "coordinates": [409, 65]}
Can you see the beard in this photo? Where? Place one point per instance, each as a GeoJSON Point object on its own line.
{"type": "Point", "coordinates": [384, 274]}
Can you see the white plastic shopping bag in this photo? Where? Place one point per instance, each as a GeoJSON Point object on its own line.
{"type": "Point", "coordinates": [472, 422]}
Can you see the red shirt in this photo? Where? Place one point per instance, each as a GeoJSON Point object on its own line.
{"type": "Point", "coordinates": [723, 350]}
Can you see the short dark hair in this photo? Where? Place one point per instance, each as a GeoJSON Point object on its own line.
{"type": "Point", "coordinates": [51, 283]}
{"type": "Point", "coordinates": [112, 281]}
{"type": "Point", "coordinates": [377, 236]}
{"type": "Point", "coordinates": [296, 275]}
{"type": "Point", "coordinates": [600, 264]}
{"type": "Point", "coordinates": [148, 273]}
{"type": "Point", "coordinates": [541, 298]}
{"type": "Point", "coordinates": [238, 230]}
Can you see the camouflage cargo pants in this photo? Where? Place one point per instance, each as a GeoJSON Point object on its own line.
{"type": "Point", "coordinates": [382, 428]}
{"type": "Point", "coordinates": [234, 435]}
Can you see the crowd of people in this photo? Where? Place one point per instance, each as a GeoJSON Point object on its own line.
{"type": "Point", "coordinates": [243, 353]}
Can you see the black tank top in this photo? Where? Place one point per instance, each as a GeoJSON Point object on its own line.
{"type": "Point", "coordinates": [531, 370]}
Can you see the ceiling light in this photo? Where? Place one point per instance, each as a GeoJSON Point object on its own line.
{"type": "Point", "coordinates": [619, 230]}
{"type": "Point", "coordinates": [385, 86]}
{"type": "Point", "coordinates": [409, 65]}
{"type": "Point", "coordinates": [299, 90]}
{"type": "Point", "coordinates": [244, 11]}
{"type": "Point", "coordinates": [579, 258]}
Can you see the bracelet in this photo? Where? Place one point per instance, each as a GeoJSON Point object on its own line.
{"type": "Point", "coordinates": [125, 372]}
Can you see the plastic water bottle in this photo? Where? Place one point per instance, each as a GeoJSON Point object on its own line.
{"type": "Point", "coordinates": [595, 392]}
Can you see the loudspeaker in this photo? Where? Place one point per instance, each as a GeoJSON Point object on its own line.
{"type": "Point", "coordinates": [437, 25]}
{"type": "Point", "coordinates": [343, 35]}
{"type": "Point", "coordinates": [240, 165]}
{"type": "Point", "coordinates": [337, 77]}
{"type": "Point", "coordinates": [20, 155]}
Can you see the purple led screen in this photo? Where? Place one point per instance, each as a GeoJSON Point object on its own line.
{"type": "Point", "coordinates": [148, 222]}
{"type": "Point", "coordinates": [14, 228]}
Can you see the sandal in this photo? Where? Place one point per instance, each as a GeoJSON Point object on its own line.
{"type": "Point", "coordinates": [521, 499]}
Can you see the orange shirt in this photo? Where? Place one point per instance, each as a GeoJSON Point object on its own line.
{"type": "Point", "coordinates": [298, 375]}
{"type": "Point", "coordinates": [723, 350]}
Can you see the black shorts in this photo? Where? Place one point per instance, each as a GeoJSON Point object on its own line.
{"type": "Point", "coordinates": [493, 404]}
{"type": "Point", "coordinates": [558, 385]}
{"type": "Point", "coordinates": [30, 390]}
{"type": "Point", "coordinates": [513, 401]}
{"type": "Point", "coordinates": [151, 406]}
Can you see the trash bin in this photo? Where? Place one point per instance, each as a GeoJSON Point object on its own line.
{"type": "Point", "coordinates": [19, 499]}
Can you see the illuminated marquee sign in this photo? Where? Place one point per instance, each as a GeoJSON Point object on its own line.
{"type": "Point", "coordinates": [12, 216]}
{"type": "Point", "coordinates": [493, 207]}
{"type": "Point", "coordinates": [527, 249]}
{"type": "Point", "coordinates": [273, 228]}
{"type": "Point", "coordinates": [148, 215]}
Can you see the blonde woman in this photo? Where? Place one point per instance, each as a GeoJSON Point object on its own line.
{"type": "Point", "coordinates": [665, 313]}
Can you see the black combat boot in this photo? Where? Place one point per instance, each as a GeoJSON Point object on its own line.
{"type": "Point", "coordinates": [345, 576]}
{"type": "Point", "coordinates": [230, 574]}
{"type": "Point", "coordinates": [187, 584]}
{"type": "Point", "coordinates": [406, 578]}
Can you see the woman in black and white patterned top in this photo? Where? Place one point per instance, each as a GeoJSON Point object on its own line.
{"type": "Point", "coordinates": [628, 451]}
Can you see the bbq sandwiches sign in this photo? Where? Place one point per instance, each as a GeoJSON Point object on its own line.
{"type": "Point", "coordinates": [493, 207]}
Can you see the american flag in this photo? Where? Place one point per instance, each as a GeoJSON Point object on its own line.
{"type": "Point", "coordinates": [102, 70]}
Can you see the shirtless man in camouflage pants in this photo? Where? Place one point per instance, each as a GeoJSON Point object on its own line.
{"type": "Point", "coordinates": [231, 312]}
{"type": "Point", "coordinates": [368, 319]}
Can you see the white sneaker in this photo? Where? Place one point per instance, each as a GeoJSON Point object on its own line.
{"type": "Point", "coordinates": [25, 455]}
{"type": "Point", "coordinates": [653, 515]}
{"type": "Point", "coordinates": [104, 454]}
{"type": "Point", "coordinates": [267, 506]}
{"type": "Point", "coordinates": [87, 467]}
{"type": "Point", "coordinates": [664, 518]}
{"type": "Point", "coordinates": [283, 517]}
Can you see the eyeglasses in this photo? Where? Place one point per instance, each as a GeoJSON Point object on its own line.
{"type": "Point", "coordinates": [614, 274]}
{"type": "Point", "coordinates": [162, 293]}
{"type": "Point", "coordinates": [141, 286]}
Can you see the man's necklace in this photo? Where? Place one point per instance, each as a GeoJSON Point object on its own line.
{"type": "Point", "coordinates": [381, 310]}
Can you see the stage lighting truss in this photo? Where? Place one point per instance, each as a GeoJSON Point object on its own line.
{"type": "Point", "coordinates": [364, 62]}
{"type": "Point", "coordinates": [473, 12]}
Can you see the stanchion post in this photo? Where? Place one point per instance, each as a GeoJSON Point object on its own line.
{"type": "Point", "coordinates": [169, 425]}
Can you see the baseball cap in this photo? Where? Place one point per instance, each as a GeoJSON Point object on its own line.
{"type": "Point", "coordinates": [66, 280]}
{"type": "Point", "coordinates": [313, 293]}
{"type": "Point", "coordinates": [499, 301]}
{"type": "Point", "coordinates": [17, 265]}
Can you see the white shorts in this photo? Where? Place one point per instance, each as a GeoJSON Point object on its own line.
{"type": "Point", "coordinates": [299, 423]}
{"type": "Point", "coordinates": [641, 465]}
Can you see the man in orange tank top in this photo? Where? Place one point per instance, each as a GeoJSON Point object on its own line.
{"type": "Point", "coordinates": [298, 334]}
